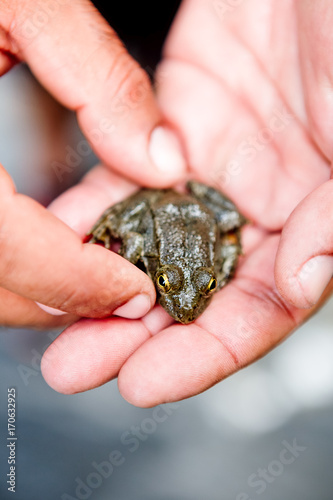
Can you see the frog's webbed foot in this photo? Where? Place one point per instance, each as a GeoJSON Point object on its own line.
{"type": "Point", "coordinates": [123, 222]}
{"type": "Point", "coordinates": [105, 230]}
{"type": "Point", "coordinates": [227, 259]}
{"type": "Point", "coordinates": [227, 216]}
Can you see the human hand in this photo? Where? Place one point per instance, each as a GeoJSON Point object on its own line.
{"type": "Point", "coordinates": [79, 59]}
{"type": "Point", "coordinates": [254, 115]}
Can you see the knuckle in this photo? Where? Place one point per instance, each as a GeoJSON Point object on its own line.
{"type": "Point", "coordinates": [129, 82]}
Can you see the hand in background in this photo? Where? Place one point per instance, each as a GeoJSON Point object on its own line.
{"type": "Point", "coordinates": [249, 90]}
{"type": "Point", "coordinates": [77, 57]}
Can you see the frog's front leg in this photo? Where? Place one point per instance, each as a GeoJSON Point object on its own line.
{"type": "Point", "coordinates": [123, 222]}
{"type": "Point", "coordinates": [132, 247]}
{"type": "Point", "coordinates": [228, 252]}
{"type": "Point", "coordinates": [105, 230]}
{"type": "Point", "coordinates": [226, 214]}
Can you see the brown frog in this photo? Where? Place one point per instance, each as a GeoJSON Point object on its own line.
{"type": "Point", "coordinates": [188, 244]}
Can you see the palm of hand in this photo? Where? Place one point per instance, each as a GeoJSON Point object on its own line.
{"type": "Point", "coordinates": [242, 117]}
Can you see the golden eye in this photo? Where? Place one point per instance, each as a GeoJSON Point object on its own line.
{"type": "Point", "coordinates": [211, 285]}
{"type": "Point", "coordinates": [163, 283]}
{"type": "Point", "coordinates": [169, 279]}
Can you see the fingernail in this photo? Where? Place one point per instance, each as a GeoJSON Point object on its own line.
{"type": "Point", "coordinates": [315, 276]}
{"type": "Point", "coordinates": [51, 310]}
{"type": "Point", "coordinates": [135, 308]}
{"type": "Point", "coordinates": [165, 151]}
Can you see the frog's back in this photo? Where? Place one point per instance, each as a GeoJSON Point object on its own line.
{"type": "Point", "coordinates": [185, 231]}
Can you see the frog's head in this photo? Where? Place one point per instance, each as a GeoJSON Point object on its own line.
{"type": "Point", "coordinates": [185, 292]}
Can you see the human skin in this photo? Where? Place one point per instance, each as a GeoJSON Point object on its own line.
{"type": "Point", "coordinates": [77, 57]}
{"type": "Point", "coordinates": [248, 91]}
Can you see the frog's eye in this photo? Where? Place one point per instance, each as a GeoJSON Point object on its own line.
{"type": "Point", "coordinates": [169, 278]}
{"type": "Point", "coordinates": [211, 287]}
{"type": "Point", "coordinates": [163, 283]}
{"type": "Point", "coordinates": [205, 280]}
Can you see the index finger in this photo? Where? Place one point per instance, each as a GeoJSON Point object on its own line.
{"type": "Point", "coordinates": [44, 260]}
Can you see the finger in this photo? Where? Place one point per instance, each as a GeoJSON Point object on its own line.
{"type": "Point", "coordinates": [44, 260]}
{"type": "Point", "coordinates": [316, 40]}
{"type": "Point", "coordinates": [244, 321]}
{"type": "Point", "coordinates": [304, 264]}
{"type": "Point", "coordinates": [200, 94]}
{"type": "Point", "coordinates": [90, 353]}
{"type": "Point", "coordinates": [77, 56]}
{"type": "Point", "coordinates": [20, 312]}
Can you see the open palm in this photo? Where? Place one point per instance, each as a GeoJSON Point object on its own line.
{"type": "Point", "coordinates": [254, 120]}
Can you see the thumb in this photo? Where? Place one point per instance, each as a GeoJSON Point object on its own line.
{"type": "Point", "coordinates": [304, 262]}
{"type": "Point", "coordinates": [77, 56]}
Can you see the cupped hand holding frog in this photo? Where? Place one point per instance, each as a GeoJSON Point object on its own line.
{"type": "Point", "coordinates": [248, 92]}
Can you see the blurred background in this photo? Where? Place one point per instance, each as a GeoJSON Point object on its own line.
{"type": "Point", "coordinates": [266, 432]}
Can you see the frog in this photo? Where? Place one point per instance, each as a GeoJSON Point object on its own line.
{"type": "Point", "coordinates": [188, 243]}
